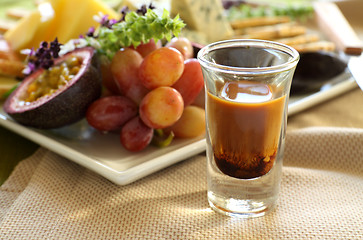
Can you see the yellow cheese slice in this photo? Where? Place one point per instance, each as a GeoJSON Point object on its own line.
{"type": "Point", "coordinates": [47, 17]}
{"type": "Point", "coordinates": [21, 35]}
{"type": "Point", "coordinates": [94, 7]}
{"type": "Point", "coordinates": [64, 19]}
{"type": "Point", "coordinates": [73, 18]}
{"type": "Point", "coordinates": [100, 6]}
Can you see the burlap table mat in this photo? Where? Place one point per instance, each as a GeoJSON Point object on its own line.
{"type": "Point", "coordinates": [49, 197]}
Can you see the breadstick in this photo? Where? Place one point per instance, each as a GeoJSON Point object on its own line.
{"type": "Point", "coordinates": [258, 21]}
{"type": "Point", "coordinates": [5, 50]}
{"type": "Point", "coordinates": [273, 32]}
{"type": "Point", "coordinates": [268, 30]}
{"type": "Point", "coordinates": [315, 46]}
{"type": "Point", "coordinates": [6, 25]}
{"type": "Point", "coordinates": [300, 39]}
{"type": "Point", "coordinates": [11, 68]}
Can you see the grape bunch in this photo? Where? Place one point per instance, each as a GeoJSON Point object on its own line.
{"type": "Point", "coordinates": [150, 89]}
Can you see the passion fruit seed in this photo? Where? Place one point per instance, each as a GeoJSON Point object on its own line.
{"type": "Point", "coordinates": [53, 79]}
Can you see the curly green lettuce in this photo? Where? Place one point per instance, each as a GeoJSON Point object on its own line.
{"type": "Point", "coordinates": [134, 30]}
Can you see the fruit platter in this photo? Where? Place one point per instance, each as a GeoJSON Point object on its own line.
{"type": "Point", "coordinates": [119, 92]}
{"type": "Point", "coordinates": [121, 99]}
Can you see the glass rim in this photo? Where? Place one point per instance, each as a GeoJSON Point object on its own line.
{"type": "Point", "coordinates": [291, 63]}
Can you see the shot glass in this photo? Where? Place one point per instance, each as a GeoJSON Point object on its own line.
{"type": "Point", "coordinates": [247, 86]}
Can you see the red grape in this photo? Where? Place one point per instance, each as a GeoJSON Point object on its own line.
{"type": "Point", "coordinates": [191, 81]}
{"type": "Point", "coordinates": [110, 113]}
{"type": "Point", "coordinates": [191, 124]}
{"type": "Point", "coordinates": [162, 67]}
{"type": "Point", "coordinates": [182, 44]}
{"type": "Point", "coordinates": [156, 85]}
{"type": "Point", "coordinates": [145, 48]}
{"type": "Point", "coordinates": [125, 67]}
{"type": "Point", "coordinates": [135, 135]}
{"type": "Point", "coordinates": [107, 78]}
{"type": "Point", "coordinates": [161, 107]}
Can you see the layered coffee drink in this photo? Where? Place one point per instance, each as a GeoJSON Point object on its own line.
{"type": "Point", "coordinates": [244, 124]}
{"type": "Point", "coordinates": [247, 85]}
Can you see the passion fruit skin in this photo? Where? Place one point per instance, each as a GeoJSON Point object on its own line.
{"type": "Point", "coordinates": [65, 106]}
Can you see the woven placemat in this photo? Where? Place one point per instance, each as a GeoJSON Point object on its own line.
{"type": "Point", "coordinates": [49, 197]}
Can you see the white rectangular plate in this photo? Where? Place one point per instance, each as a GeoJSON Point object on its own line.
{"type": "Point", "coordinates": [103, 153]}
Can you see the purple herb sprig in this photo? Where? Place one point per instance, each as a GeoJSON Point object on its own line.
{"type": "Point", "coordinates": [43, 57]}
{"type": "Point", "coordinates": [104, 21]}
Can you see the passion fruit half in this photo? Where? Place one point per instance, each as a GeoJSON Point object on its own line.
{"type": "Point", "coordinates": [63, 105]}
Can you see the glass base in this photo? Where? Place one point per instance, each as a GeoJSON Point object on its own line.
{"type": "Point", "coordinates": [250, 208]}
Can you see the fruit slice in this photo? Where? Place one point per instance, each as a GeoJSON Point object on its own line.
{"type": "Point", "coordinates": [64, 19]}
{"type": "Point", "coordinates": [73, 18]}
{"type": "Point", "coordinates": [65, 105]}
{"type": "Point", "coordinates": [24, 32]}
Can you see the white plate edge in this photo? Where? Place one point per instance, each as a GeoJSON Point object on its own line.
{"type": "Point", "coordinates": [120, 178]}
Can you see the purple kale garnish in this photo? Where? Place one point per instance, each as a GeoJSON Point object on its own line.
{"type": "Point", "coordinates": [43, 57]}
{"type": "Point", "coordinates": [124, 11]}
{"type": "Point", "coordinates": [91, 32]}
{"type": "Point", "coordinates": [143, 9]}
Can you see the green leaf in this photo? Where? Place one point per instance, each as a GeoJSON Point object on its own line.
{"type": "Point", "coordinates": [137, 29]}
{"type": "Point", "coordinates": [7, 93]}
{"type": "Point", "coordinates": [160, 139]}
